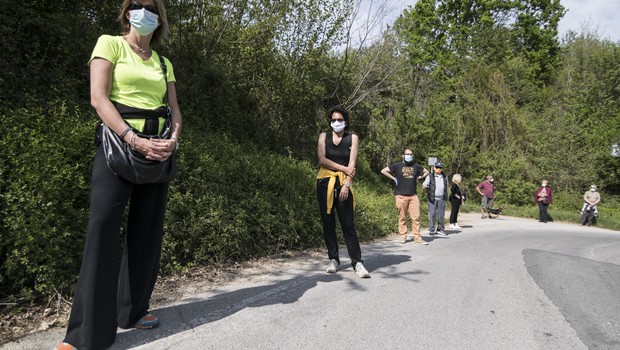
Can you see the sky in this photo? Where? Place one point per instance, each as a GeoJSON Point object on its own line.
{"type": "Point", "coordinates": [601, 16]}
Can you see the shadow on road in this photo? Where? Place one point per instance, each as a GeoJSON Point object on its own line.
{"type": "Point", "coordinates": [196, 312]}
{"type": "Point", "coordinates": [584, 290]}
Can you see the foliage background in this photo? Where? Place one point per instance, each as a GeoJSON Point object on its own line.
{"type": "Point", "coordinates": [486, 88]}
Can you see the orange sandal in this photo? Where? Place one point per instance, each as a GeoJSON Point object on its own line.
{"type": "Point", "coordinates": [148, 321]}
{"type": "Point", "coordinates": [64, 346]}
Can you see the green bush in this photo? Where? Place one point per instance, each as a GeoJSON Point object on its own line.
{"type": "Point", "coordinates": [231, 201]}
{"type": "Point", "coordinates": [515, 192]}
{"type": "Point", "coordinates": [375, 213]}
{"type": "Point", "coordinates": [44, 180]}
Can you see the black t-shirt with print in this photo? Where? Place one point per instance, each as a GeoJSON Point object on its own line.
{"type": "Point", "coordinates": [407, 176]}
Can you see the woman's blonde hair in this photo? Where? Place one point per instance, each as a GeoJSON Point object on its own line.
{"type": "Point", "coordinates": [160, 33]}
{"type": "Point", "coordinates": [456, 178]}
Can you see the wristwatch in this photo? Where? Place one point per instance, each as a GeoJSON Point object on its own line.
{"type": "Point", "coordinates": [347, 184]}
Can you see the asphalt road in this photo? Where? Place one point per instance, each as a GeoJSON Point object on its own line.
{"type": "Point", "coordinates": [503, 283]}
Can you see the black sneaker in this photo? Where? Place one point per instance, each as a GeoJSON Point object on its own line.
{"type": "Point", "coordinates": [441, 233]}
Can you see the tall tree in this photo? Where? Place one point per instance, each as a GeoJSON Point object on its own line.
{"type": "Point", "coordinates": [439, 34]}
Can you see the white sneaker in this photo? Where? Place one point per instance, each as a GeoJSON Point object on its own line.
{"type": "Point", "coordinates": [457, 227]}
{"type": "Point", "coordinates": [452, 227]}
{"type": "Point", "coordinates": [333, 266]}
{"type": "Point", "coordinates": [361, 270]}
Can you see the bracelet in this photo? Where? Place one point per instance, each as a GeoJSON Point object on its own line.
{"type": "Point", "coordinates": [125, 132]}
{"type": "Point", "coordinates": [133, 141]}
{"type": "Point", "coordinates": [176, 143]}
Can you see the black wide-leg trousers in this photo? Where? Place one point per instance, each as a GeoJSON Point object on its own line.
{"type": "Point", "coordinates": [346, 217]}
{"type": "Point", "coordinates": [110, 292]}
{"type": "Point", "coordinates": [454, 211]}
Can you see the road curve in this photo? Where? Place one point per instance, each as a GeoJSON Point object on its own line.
{"type": "Point", "coordinates": [504, 283]}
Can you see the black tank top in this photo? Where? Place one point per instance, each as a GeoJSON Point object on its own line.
{"type": "Point", "coordinates": [339, 154]}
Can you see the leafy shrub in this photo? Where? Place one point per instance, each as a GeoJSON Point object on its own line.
{"type": "Point", "coordinates": [231, 201]}
{"type": "Point", "coordinates": [515, 192]}
{"type": "Point", "coordinates": [43, 198]}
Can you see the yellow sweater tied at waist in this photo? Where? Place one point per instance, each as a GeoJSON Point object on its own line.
{"type": "Point", "coordinates": [332, 175]}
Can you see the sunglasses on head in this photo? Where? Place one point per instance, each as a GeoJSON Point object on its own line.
{"type": "Point", "coordinates": [138, 6]}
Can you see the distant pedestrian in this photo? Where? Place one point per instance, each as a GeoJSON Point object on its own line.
{"type": "Point", "coordinates": [457, 197]}
{"type": "Point", "coordinates": [405, 175]}
{"type": "Point", "coordinates": [337, 153]}
{"type": "Point", "coordinates": [543, 197]}
{"type": "Point", "coordinates": [590, 206]}
{"type": "Point", "coordinates": [436, 186]}
{"type": "Point", "coordinates": [487, 190]}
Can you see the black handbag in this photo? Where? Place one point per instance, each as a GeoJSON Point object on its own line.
{"type": "Point", "coordinates": [131, 165]}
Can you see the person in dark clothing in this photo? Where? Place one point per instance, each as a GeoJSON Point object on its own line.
{"type": "Point", "coordinates": [337, 153]}
{"type": "Point", "coordinates": [457, 197]}
{"type": "Point", "coordinates": [543, 197]}
{"type": "Point", "coordinates": [436, 186]}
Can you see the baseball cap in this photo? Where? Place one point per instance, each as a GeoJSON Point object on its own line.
{"type": "Point", "coordinates": [438, 165]}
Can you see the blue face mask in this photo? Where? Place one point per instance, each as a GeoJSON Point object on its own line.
{"type": "Point", "coordinates": [143, 21]}
{"type": "Point", "coordinates": [408, 158]}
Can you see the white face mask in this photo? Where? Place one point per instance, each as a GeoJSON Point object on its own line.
{"type": "Point", "coordinates": [338, 126]}
{"type": "Point", "coordinates": [593, 189]}
{"type": "Point", "coordinates": [143, 21]}
{"type": "Point", "coordinates": [408, 158]}
{"type": "Point", "coordinates": [544, 185]}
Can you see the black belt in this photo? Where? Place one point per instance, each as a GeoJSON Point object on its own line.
{"type": "Point", "coordinates": [150, 116]}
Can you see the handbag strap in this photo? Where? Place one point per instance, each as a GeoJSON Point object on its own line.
{"type": "Point", "coordinates": [166, 133]}
{"type": "Point", "coordinates": [164, 69]}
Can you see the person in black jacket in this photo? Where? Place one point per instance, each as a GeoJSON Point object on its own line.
{"type": "Point", "coordinates": [436, 186]}
{"type": "Point", "coordinates": [457, 197]}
